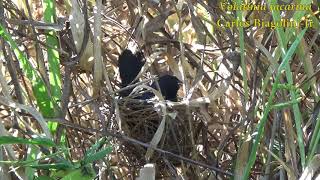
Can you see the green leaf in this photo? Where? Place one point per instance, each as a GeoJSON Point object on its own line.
{"type": "Point", "coordinates": [57, 166]}
{"type": "Point", "coordinates": [53, 57]}
{"type": "Point", "coordinates": [96, 146]}
{"type": "Point", "coordinates": [96, 156]}
{"type": "Point", "coordinates": [262, 122]}
{"type": "Point", "coordinates": [39, 88]}
{"type": "Point", "coordinates": [44, 178]}
{"type": "Point", "coordinates": [33, 151]}
{"type": "Point", "coordinates": [35, 141]}
{"type": "Point", "coordinates": [85, 173]}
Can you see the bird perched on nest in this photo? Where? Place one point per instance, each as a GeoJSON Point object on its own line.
{"type": "Point", "coordinates": [141, 119]}
{"type": "Point", "coordinates": [169, 86]}
{"type": "Point", "coordinates": [129, 67]}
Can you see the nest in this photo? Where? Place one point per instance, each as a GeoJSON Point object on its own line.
{"type": "Point", "coordinates": [140, 120]}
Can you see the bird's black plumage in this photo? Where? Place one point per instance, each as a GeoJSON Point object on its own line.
{"type": "Point", "coordinates": [129, 67]}
{"type": "Point", "coordinates": [169, 86]}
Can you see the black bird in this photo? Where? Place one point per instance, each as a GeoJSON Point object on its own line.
{"type": "Point", "coordinates": [169, 86]}
{"type": "Point", "coordinates": [129, 67]}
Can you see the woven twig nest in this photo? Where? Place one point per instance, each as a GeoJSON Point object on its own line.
{"type": "Point", "coordinates": [140, 120]}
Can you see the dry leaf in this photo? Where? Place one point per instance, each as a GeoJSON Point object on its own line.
{"type": "Point", "coordinates": [77, 24]}
{"type": "Point", "coordinates": [310, 172]}
{"type": "Point", "coordinates": [156, 23]}
{"type": "Point", "coordinates": [33, 112]}
{"type": "Point", "coordinates": [242, 159]}
{"type": "Point", "coordinates": [148, 172]}
{"type": "Point", "coordinates": [197, 24]}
